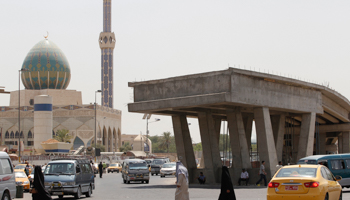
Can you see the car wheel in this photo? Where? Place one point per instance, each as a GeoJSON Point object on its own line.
{"type": "Point", "coordinates": [326, 198]}
{"type": "Point", "coordinates": [147, 182]}
{"type": "Point", "coordinates": [89, 192]}
{"type": "Point", "coordinates": [6, 196]}
{"type": "Point", "coordinates": [78, 194]}
{"type": "Point", "coordinates": [117, 171]}
{"type": "Point", "coordinates": [142, 181]}
{"type": "Point", "coordinates": [161, 176]}
{"type": "Point", "coordinates": [152, 174]}
{"type": "Point", "coordinates": [112, 171]}
{"type": "Point", "coordinates": [341, 195]}
{"type": "Point", "coordinates": [128, 182]}
{"type": "Point", "coordinates": [60, 196]}
{"type": "Point", "coordinates": [108, 171]}
{"type": "Point", "coordinates": [124, 180]}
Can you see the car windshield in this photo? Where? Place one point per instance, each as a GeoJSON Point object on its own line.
{"type": "Point", "coordinates": [59, 168]}
{"type": "Point", "coordinates": [158, 162]}
{"type": "Point", "coordinates": [141, 165]}
{"type": "Point", "coordinates": [297, 172]}
{"type": "Point", "coordinates": [114, 165]}
{"type": "Point", "coordinates": [169, 165]}
{"type": "Point", "coordinates": [20, 167]}
{"type": "Point", "coordinates": [311, 162]}
{"type": "Point", "coordinates": [20, 175]}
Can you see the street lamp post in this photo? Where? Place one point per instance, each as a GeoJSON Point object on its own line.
{"type": "Point", "coordinates": [147, 131]}
{"type": "Point", "coordinates": [19, 113]}
{"type": "Point", "coordinates": [95, 121]}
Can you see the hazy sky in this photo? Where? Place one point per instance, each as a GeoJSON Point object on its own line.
{"type": "Point", "coordinates": [164, 38]}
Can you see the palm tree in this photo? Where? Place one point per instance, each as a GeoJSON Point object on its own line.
{"type": "Point", "coordinates": [63, 136]}
{"type": "Point", "coordinates": [165, 141]}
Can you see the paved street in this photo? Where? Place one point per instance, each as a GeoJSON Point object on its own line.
{"type": "Point", "coordinates": [111, 186]}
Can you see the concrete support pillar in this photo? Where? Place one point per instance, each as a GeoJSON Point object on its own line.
{"type": "Point", "coordinates": [306, 138]}
{"type": "Point", "coordinates": [322, 143]}
{"type": "Point", "coordinates": [184, 146]}
{"type": "Point", "coordinates": [278, 126]}
{"type": "Point", "coordinates": [344, 142]}
{"type": "Point", "coordinates": [266, 143]}
{"type": "Point", "coordinates": [248, 125]}
{"type": "Point", "coordinates": [211, 152]}
{"type": "Point", "coordinates": [217, 125]}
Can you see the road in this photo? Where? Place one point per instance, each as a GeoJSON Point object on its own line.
{"type": "Point", "coordinates": [111, 186]}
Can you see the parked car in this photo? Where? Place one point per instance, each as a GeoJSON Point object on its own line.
{"type": "Point", "coordinates": [135, 170]}
{"type": "Point", "coordinates": [304, 182]}
{"type": "Point", "coordinates": [22, 179]}
{"type": "Point", "coordinates": [69, 177]}
{"type": "Point", "coordinates": [156, 164]}
{"type": "Point", "coordinates": [338, 164]}
{"type": "Point", "coordinates": [168, 169]}
{"type": "Point", "coordinates": [114, 167]}
{"type": "Point", "coordinates": [7, 177]}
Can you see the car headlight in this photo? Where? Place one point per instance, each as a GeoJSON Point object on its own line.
{"type": "Point", "coordinates": [68, 183]}
{"type": "Point", "coordinates": [25, 182]}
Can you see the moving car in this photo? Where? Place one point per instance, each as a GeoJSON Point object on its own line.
{"type": "Point", "coordinates": [7, 177]}
{"type": "Point", "coordinates": [338, 164]}
{"type": "Point", "coordinates": [168, 169]}
{"type": "Point", "coordinates": [22, 179]}
{"type": "Point", "coordinates": [114, 167]}
{"type": "Point", "coordinates": [22, 166]}
{"type": "Point", "coordinates": [69, 177]}
{"type": "Point", "coordinates": [304, 182]}
{"type": "Point", "coordinates": [156, 164]}
{"type": "Point", "coordinates": [135, 170]}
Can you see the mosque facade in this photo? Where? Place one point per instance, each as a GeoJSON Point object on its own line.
{"type": "Point", "coordinates": [46, 71]}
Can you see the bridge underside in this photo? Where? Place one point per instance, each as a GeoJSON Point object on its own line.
{"type": "Point", "coordinates": [293, 119]}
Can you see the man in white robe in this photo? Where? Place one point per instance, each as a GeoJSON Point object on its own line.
{"type": "Point", "coordinates": [181, 182]}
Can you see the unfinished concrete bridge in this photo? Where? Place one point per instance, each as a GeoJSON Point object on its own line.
{"type": "Point", "coordinates": [293, 118]}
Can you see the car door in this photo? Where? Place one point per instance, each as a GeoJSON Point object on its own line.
{"type": "Point", "coordinates": [332, 185]}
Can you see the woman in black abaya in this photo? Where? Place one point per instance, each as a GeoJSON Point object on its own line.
{"type": "Point", "coordinates": [227, 192]}
{"type": "Point", "coordinates": [38, 191]}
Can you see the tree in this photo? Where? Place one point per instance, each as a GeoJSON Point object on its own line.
{"type": "Point", "coordinates": [125, 147]}
{"type": "Point", "coordinates": [63, 136]}
{"type": "Point", "coordinates": [165, 141]}
{"type": "Point", "coordinates": [197, 147]}
{"type": "Point", "coordinates": [98, 146]}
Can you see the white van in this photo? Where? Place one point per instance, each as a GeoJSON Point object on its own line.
{"type": "Point", "coordinates": [7, 177]}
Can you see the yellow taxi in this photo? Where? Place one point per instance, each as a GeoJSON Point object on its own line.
{"type": "Point", "coordinates": [22, 166]}
{"type": "Point", "coordinates": [22, 179]}
{"type": "Point", "coordinates": [311, 182]}
{"type": "Point", "coordinates": [114, 167]}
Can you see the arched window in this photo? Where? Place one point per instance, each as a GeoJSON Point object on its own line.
{"type": "Point", "coordinates": [30, 135]}
{"type": "Point", "coordinates": [22, 136]}
{"type": "Point", "coordinates": [12, 135]}
{"type": "Point", "coordinates": [7, 135]}
{"type": "Point", "coordinates": [16, 135]}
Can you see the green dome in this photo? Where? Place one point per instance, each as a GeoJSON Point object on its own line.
{"type": "Point", "coordinates": [46, 67]}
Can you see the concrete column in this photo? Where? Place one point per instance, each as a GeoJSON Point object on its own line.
{"type": "Point", "coordinates": [345, 142]}
{"type": "Point", "coordinates": [278, 126]}
{"type": "Point", "coordinates": [322, 143]}
{"type": "Point", "coordinates": [211, 152]}
{"type": "Point", "coordinates": [266, 143]}
{"type": "Point", "coordinates": [184, 146]}
{"type": "Point", "coordinates": [42, 121]}
{"type": "Point", "coordinates": [306, 138]}
{"type": "Point", "coordinates": [217, 125]}
{"type": "Point", "coordinates": [248, 125]}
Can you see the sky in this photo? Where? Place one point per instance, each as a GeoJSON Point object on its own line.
{"type": "Point", "coordinates": [156, 39]}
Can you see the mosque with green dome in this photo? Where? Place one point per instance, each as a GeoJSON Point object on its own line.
{"type": "Point", "coordinates": [46, 71]}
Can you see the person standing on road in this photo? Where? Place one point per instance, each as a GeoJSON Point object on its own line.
{"type": "Point", "coordinates": [181, 182]}
{"type": "Point", "coordinates": [262, 173]}
{"type": "Point", "coordinates": [100, 169]}
{"type": "Point", "coordinates": [227, 191]}
{"type": "Point", "coordinates": [38, 190]}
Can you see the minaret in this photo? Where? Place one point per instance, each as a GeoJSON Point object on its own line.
{"type": "Point", "coordinates": [107, 43]}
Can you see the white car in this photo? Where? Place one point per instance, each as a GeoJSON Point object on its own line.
{"type": "Point", "coordinates": [168, 169]}
{"type": "Point", "coordinates": [7, 177]}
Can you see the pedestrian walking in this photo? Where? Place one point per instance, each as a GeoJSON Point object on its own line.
{"type": "Point", "coordinates": [100, 169]}
{"type": "Point", "coordinates": [181, 182]}
{"type": "Point", "coordinates": [262, 173]}
{"type": "Point", "coordinates": [227, 191]}
{"type": "Point", "coordinates": [26, 169]}
{"type": "Point", "coordinates": [38, 190]}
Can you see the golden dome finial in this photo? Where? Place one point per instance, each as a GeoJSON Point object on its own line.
{"type": "Point", "coordinates": [46, 35]}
